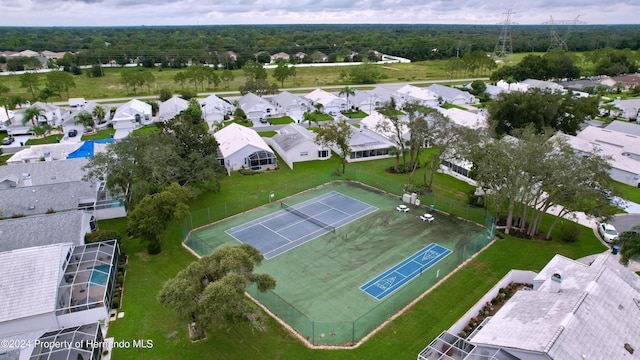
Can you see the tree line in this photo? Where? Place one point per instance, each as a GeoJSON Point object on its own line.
{"type": "Point", "coordinates": [209, 44]}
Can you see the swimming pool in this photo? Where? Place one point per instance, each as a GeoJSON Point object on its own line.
{"type": "Point", "coordinates": [99, 275]}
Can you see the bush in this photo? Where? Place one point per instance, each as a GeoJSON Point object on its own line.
{"type": "Point", "coordinates": [475, 200]}
{"type": "Point", "coordinates": [120, 279]}
{"type": "Point", "coordinates": [154, 248]}
{"type": "Point", "coordinates": [102, 235]}
{"type": "Point", "coordinates": [247, 172]}
{"type": "Point", "coordinates": [570, 233]}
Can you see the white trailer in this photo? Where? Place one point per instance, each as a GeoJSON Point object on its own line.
{"type": "Point", "coordinates": [77, 102]}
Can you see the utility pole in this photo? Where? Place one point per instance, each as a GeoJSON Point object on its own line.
{"type": "Point", "coordinates": [504, 47]}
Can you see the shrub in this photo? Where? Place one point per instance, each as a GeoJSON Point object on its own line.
{"type": "Point", "coordinates": [247, 172]}
{"type": "Point", "coordinates": [120, 278]}
{"type": "Point", "coordinates": [154, 248]}
{"type": "Point", "coordinates": [570, 233]}
{"type": "Point", "coordinates": [475, 200]}
{"type": "Point", "coordinates": [102, 235]}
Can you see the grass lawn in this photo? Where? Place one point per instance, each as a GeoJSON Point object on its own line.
{"type": "Point", "coordinates": [51, 139]}
{"type": "Point", "coordinates": [147, 129]}
{"type": "Point", "coordinates": [100, 134]}
{"type": "Point", "coordinates": [247, 123]}
{"type": "Point", "coordinates": [401, 339]}
{"type": "Point", "coordinates": [4, 158]}
{"type": "Point", "coordinates": [318, 117]}
{"type": "Point", "coordinates": [283, 120]}
{"type": "Point", "coordinates": [626, 192]}
{"type": "Point", "coordinates": [355, 114]}
{"type": "Point", "coordinates": [451, 106]}
{"type": "Point", "coordinates": [267, 133]}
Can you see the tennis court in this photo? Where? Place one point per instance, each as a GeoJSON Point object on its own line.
{"type": "Point", "coordinates": [392, 279]}
{"type": "Point", "coordinates": [318, 282]}
{"type": "Point", "coordinates": [293, 226]}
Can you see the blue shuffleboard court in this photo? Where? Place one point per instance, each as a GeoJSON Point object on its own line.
{"type": "Point", "coordinates": [394, 278]}
{"type": "Point", "coordinates": [288, 228]}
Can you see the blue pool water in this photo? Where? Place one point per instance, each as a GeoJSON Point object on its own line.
{"type": "Point", "coordinates": [99, 275]}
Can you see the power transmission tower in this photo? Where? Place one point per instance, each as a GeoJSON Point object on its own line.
{"type": "Point", "coordinates": [559, 39]}
{"type": "Point", "coordinates": [503, 47]}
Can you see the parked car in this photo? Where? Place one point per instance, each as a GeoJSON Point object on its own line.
{"type": "Point", "coordinates": [8, 140]}
{"type": "Point", "coordinates": [608, 232]}
{"type": "Point", "coordinates": [73, 133]}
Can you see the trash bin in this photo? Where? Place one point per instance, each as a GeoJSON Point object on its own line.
{"type": "Point", "coordinates": [431, 207]}
{"type": "Point", "coordinates": [417, 202]}
{"type": "Point", "coordinates": [615, 249]}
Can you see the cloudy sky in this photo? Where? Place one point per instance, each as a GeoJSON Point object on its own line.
{"type": "Point", "coordinates": [220, 12]}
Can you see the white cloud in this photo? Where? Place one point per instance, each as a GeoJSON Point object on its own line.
{"type": "Point", "coordinates": [205, 12]}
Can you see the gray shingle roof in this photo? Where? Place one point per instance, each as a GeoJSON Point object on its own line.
{"type": "Point", "coordinates": [624, 127]}
{"type": "Point", "coordinates": [45, 229]}
{"type": "Point", "coordinates": [47, 172]}
{"type": "Point", "coordinates": [59, 197]}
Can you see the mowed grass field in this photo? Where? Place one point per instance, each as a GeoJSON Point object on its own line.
{"type": "Point", "coordinates": [403, 338]}
{"type": "Point", "coordinates": [109, 86]}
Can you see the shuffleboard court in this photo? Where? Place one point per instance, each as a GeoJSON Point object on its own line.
{"type": "Point", "coordinates": [286, 229]}
{"type": "Point", "coordinates": [394, 278]}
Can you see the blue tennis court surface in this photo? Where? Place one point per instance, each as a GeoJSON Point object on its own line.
{"type": "Point", "coordinates": [284, 230]}
{"type": "Point", "coordinates": [393, 279]}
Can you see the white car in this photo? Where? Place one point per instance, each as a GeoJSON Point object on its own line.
{"type": "Point", "coordinates": [608, 232]}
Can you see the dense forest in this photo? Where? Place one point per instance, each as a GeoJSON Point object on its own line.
{"type": "Point", "coordinates": [204, 43]}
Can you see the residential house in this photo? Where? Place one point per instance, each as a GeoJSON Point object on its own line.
{"type": "Point", "coordinates": [574, 311]}
{"type": "Point", "coordinates": [57, 151]}
{"type": "Point", "coordinates": [129, 116]}
{"type": "Point", "coordinates": [291, 105]}
{"type": "Point", "coordinates": [515, 86]}
{"type": "Point", "coordinates": [386, 94]}
{"type": "Point", "coordinates": [80, 346]}
{"type": "Point", "coordinates": [6, 117]}
{"type": "Point", "coordinates": [319, 56]}
{"type": "Point", "coordinates": [280, 56]}
{"type": "Point", "coordinates": [468, 119]}
{"type": "Point", "coordinates": [300, 55]}
{"type": "Point", "coordinates": [53, 55]}
{"type": "Point", "coordinates": [167, 110]}
{"type": "Point", "coordinates": [492, 90]}
{"type": "Point", "coordinates": [331, 104]}
{"type": "Point", "coordinates": [215, 108]}
{"type": "Point", "coordinates": [383, 126]}
{"type": "Point", "coordinates": [42, 187]}
{"type": "Point", "coordinates": [88, 108]}
{"type": "Point", "coordinates": [420, 95]}
{"type": "Point", "coordinates": [242, 148]}
{"type": "Point", "coordinates": [56, 286]}
{"type": "Point", "coordinates": [295, 144]}
{"type": "Point", "coordinates": [366, 101]}
{"type": "Point", "coordinates": [544, 85]}
{"type": "Point", "coordinates": [629, 108]}
{"type": "Point", "coordinates": [256, 108]}
{"type": "Point", "coordinates": [451, 95]}
{"type": "Point", "coordinates": [622, 83]}
{"type": "Point", "coordinates": [50, 114]}
{"type": "Point", "coordinates": [622, 149]}
{"type": "Point", "coordinates": [46, 229]}
{"type": "Point", "coordinates": [366, 145]}
{"type": "Point", "coordinates": [232, 55]}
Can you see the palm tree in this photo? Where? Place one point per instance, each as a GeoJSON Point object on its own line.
{"type": "Point", "coordinates": [98, 113]}
{"type": "Point", "coordinates": [42, 130]}
{"type": "Point", "coordinates": [630, 241]}
{"type": "Point", "coordinates": [609, 107]}
{"type": "Point", "coordinates": [32, 114]}
{"type": "Point", "coordinates": [308, 117]}
{"type": "Point", "coordinates": [348, 92]}
{"type": "Point", "coordinates": [394, 151]}
{"type": "Point", "coordinates": [85, 119]}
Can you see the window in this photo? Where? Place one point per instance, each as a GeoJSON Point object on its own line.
{"type": "Point", "coordinates": [323, 154]}
{"type": "Point", "coordinates": [304, 153]}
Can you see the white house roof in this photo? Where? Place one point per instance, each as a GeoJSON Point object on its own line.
{"type": "Point", "coordinates": [516, 86]}
{"type": "Point", "coordinates": [214, 103]}
{"type": "Point", "coordinates": [57, 151]}
{"type": "Point", "coordinates": [235, 137]}
{"type": "Point", "coordinates": [385, 94]}
{"type": "Point", "coordinates": [251, 101]}
{"type": "Point", "coordinates": [285, 99]}
{"type": "Point", "coordinates": [629, 107]}
{"type": "Point", "coordinates": [365, 139]}
{"type": "Point", "coordinates": [617, 160]}
{"type": "Point", "coordinates": [630, 128]}
{"type": "Point", "coordinates": [29, 280]}
{"type": "Point", "coordinates": [449, 93]}
{"type": "Point", "coordinates": [292, 135]}
{"type": "Point", "coordinates": [323, 97]}
{"type": "Point", "coordinates": [627, 142]}
{"type": "Point", "coordinates": [595, 313]}
{"type": "Point", "coordinates": [167, 110]}
{"type": "Point", "coordinates": [3, 115]}
{"type": "Point", "coordinates": [45, 229]}
{"type": "Point", "coordinates": [466, 118]}
{"type": "Point", "coordinates": [541, 84]}
{"type": "Point", "coordinates": [129, 110]}
{"type": "Point", "coordinates": [418, 93]}
{"type": "Point", "coordinates": [382, 125]}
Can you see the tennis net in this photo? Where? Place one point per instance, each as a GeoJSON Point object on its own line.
{"type": "Point", "coordinates": [307, 217]}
